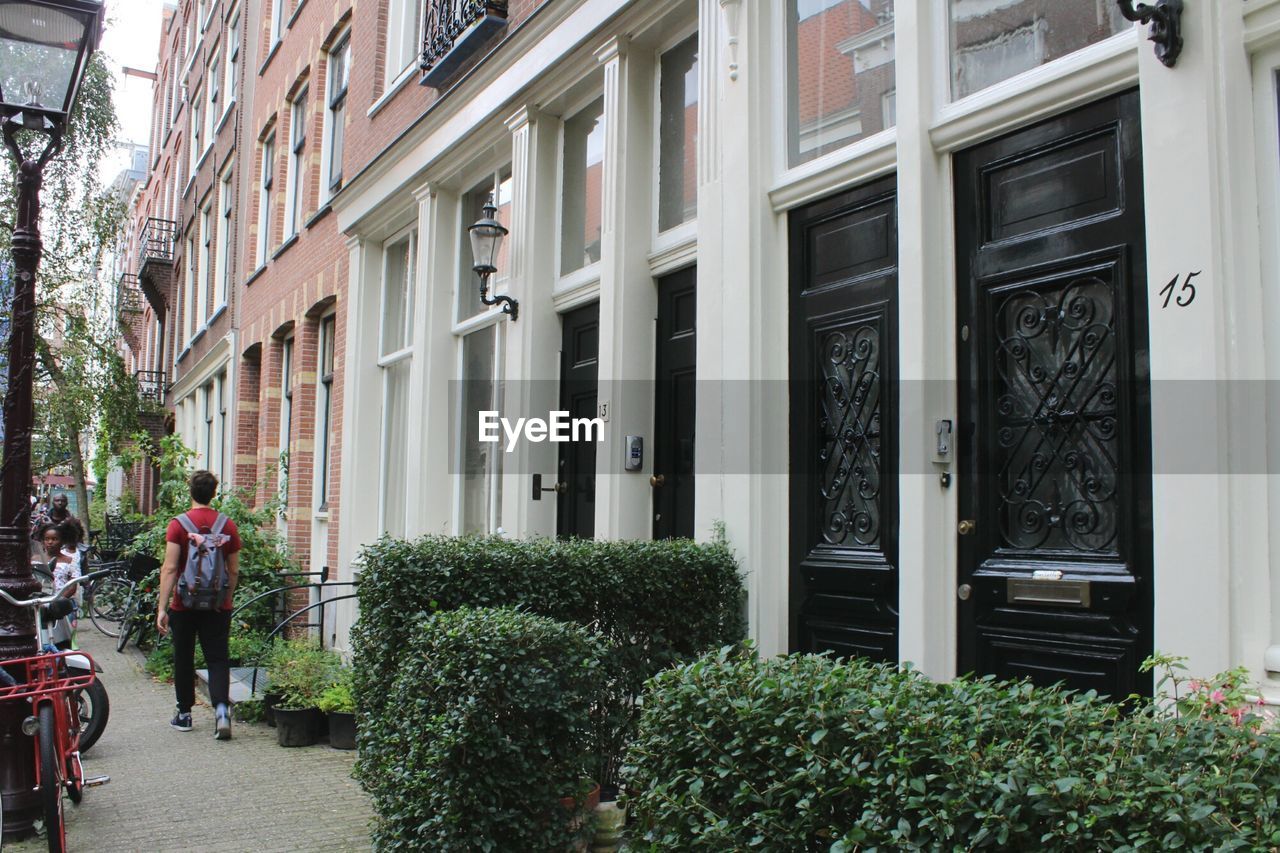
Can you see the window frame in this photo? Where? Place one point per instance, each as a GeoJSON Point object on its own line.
{"type": "Point", "coordinates": [195, 139]}
{"type": "Point", "coordinates": [231, 65]}
{"type": "Point", "coordinates": [212, 115]}
{"type": "Point", "coordinates": [277, 24]}
{"type": "Point", "coordinates": [206, 254]}
{"type": "Point", "coordinates": [399, 13]}
{"type": "Point", "coordinates": [326, 369]}
{"type": "Point", "coordinates": [677, 235]}
{"type": "Point", "coordinates": [298, 117]}
{"type": "Point", "coordinates": [482, 323]}
{"type": "Point", "coordinates": [588, 274]}
{"type": "Point", "coordinates": [188, 325]}
{"type": "Point", "coordinates": [285, 427]}
{"type": "Point", "coordinates": [335, 114]}
{"type": "Point", "coordinates": [226, 207]}
{"type": "Point", "coordinates": [266, 181]}
{"type": "Point", "coordinates": [392, 359]}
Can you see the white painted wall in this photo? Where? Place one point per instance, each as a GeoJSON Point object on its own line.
{"type": "Point", "coordinates": [1209, 145]}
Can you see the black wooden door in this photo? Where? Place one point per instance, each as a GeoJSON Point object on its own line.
{"type": "Point", "coordinates": [1055, 572]}
{"type": "Point", "coordinates": [844, 421]}
{"type": "Point", "coordinates": [579, 387]}
{"type": "Point", "coordinates": [674, 405]}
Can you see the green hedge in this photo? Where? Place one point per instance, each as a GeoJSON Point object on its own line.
{"type": "Point", "coordinates": [654, 604]}
{"type": "Point", "coordinates": [492, 729]}
{"type": "Point", "coordinates": [803, 753]}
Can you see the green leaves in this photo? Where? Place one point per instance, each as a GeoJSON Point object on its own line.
{"type": "Point", "coordinates": [654, 604]}
{"type": "Point", "coordinates": [813, 754]}
{"type": "Point", "coordinates": [490, 729]}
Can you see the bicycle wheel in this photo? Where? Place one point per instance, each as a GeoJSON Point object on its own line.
{"type": "Point", "coordinates": [51, 775]}
{"type": "Point", "coordinates": [93, 708]}
{"type": "Point", "coordinates": [126, 628]}
{"type": "Point", "coordinates": [106, 604]}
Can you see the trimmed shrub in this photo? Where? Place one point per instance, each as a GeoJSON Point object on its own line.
{"type": "Point", "coordinates": [492, 729]}
{"type": "Point", "coordinates": [804, 753]}
{"type": "Point", "coordinates": [653, 604]}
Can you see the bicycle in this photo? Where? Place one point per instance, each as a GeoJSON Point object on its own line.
{"type": "Point", "coordinates": [93, 703]}
{"type": "Point", "coordinates": [54, 724]}
{"type": "Point", "coordinates": [138, 616]}
{"type": "Point", "coordinates": [106, 598]}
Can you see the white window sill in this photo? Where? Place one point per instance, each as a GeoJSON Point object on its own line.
{"type": "Point", "coordinates": [584, 277]}
{"type": "Point", "coordinates": [392, 89]}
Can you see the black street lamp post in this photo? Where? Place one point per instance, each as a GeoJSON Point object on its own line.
{"type": "Point", "coordinates": [44, 47]}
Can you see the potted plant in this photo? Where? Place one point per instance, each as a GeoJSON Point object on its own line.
{"type": "Point", "coordinates": [339, 704]}
{"type": "Point", "coordinates": [299, 671]}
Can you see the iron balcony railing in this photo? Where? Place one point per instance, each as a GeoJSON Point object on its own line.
{"type": "Point", "coordinates": [159, 237]}
{"type": "Point", "coordinates": [128, 294]}
{"type": "Point", "coordinates": [455, 31]}
{"type": "Point", "coordinates": [152, 385]}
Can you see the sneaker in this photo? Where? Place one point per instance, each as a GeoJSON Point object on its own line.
{"type": "Point", "coordinates": [222, 730]}
{"type": "Point", "coordinates": [181, 721]}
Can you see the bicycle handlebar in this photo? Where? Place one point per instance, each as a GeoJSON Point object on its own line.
{"type": "Point", "coordinates": [65, 592]}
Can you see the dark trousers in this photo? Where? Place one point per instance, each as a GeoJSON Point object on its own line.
{"type": "Point", "coordinates": [213, 627]}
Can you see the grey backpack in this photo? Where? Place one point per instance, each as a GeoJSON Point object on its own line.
{"type": "Point", "coordinates": [204, 581]}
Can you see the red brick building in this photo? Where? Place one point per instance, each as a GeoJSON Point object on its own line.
{"type": "Point", "coordinates": [186, 222]}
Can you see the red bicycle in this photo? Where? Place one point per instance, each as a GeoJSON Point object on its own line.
{"type": "Point", "coordinates": [49, 686]}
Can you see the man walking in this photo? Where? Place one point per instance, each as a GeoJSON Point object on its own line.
{"type": "Point", "coordinates": [211, 626]}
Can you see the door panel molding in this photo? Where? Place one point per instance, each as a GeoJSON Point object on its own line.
{"type": "Point", "coordinates": [843, 445]}
{"type": "Point", "coordinates": [1054, 433]}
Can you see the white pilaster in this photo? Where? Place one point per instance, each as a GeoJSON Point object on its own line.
{"type": "Point", "coordinates": [926, 354]}
{"type": "Point", "coordinates": [361, 405]}
{"type": "Point", "coordinates": [628, 298]}
{"type": "Point", "coordinates": [742, 426]}
{"type": "Point", "coordinates": [435, 362]}
{"type": "Point", "coordinates": [1187, 215]}
{"type": "Point", "coordinates": [532, 366]}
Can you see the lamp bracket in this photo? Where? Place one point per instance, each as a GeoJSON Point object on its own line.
{"type": "Point", "coordinates": [509, 306]}
{"type": "Point", "coordinates": [1165, 18]}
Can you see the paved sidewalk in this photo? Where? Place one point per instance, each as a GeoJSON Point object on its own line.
{"type": "Point", "coordinates": [175, 791]}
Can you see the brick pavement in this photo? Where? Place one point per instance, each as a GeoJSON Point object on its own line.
{"type": "Point", "coordinates": [185, 791]}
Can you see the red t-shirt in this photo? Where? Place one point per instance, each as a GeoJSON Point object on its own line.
{"type": "Point", "coordinates": [203, 518]}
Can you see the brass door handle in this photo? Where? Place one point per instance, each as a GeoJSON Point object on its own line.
{"type": "Point", "coordinates": [657, 481]}
{"type": "Point", "coordinates": [966, 527]}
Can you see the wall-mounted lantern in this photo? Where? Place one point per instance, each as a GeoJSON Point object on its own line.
{"type": "Point", "coordinates": [486, 241]}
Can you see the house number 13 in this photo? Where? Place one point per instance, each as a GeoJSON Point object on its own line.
{"type": "Point", "coordinates": [1186, 293]}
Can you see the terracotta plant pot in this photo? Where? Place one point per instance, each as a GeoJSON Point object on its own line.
{"type": "Point", "coordinates": [342, 730]}
{"type": "Point", "coordinates": [589, 804]}
{"type": "Point", "coordinates": [295, 726]}
{"type": "Point", "coordinates": [581, 810]}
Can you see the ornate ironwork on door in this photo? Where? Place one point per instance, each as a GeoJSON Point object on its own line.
{"type": "Point", "coordinates": [454, 31]}
{"type": "Point", "coordinates": [1056, 415]}
{"type": "Point", "coordinates": [849, 423]}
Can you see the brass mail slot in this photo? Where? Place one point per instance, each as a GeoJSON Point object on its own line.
{"type": "Point", "coordinates": [1057, 593]}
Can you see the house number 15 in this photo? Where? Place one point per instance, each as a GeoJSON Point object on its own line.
{"type": "Point", "coordinates": [1186, 293]}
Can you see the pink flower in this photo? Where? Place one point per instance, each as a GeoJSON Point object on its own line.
{"type": "Point", "coordinates": [1195, 685]}
{"type": "Point", "coordinates": [1217, 696]}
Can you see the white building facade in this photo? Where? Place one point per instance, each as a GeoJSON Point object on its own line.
{"type": "Point", "coordinates": [979, 295]}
